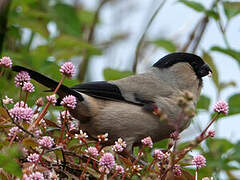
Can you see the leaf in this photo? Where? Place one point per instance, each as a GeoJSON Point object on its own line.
{"type": "Point", "coordinates": [165, 44]}
{"type": "Point", "coordinates": [8, 161]}
{"type": "Point", "coordinates": [231, 9]}
{"type": "Point", "coordinates": [194, 5]}
{"type": "Point", "coordinates": [113, 74]}
{"type": "Point", "coordinates": [234, 104]}
{"type": "Point", "coordinates": [4, 113]}
{"type": "Point", "coordinates": [203, 102]}
{"type": "Point", "coordinates": [208, 59]}
{"type": "Point", "coordinates": [67, 19]}
{"type": "Point", "coordinates": [233, 53]}
{"type": "Point", "coordinates": [219, 146]}
{"type": "Point", "coordinates": [213, 14]}
{"type": "Point", "coordinates": [29, 143]}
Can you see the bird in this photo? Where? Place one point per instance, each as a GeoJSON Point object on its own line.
{"type": "Point", "coordinates": [124, 108]}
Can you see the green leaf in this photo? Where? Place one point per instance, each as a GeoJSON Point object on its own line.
{"type": "Point", "coordinates": [234, 104]}
{"type": "Point", "coordinates": [219, 146]}
{"type": "Point", "coordinates": [165, 44]}
{"type": "Point", "coordinates": [113, 74]}
{"type": "Point", "coordinates": [231, 9]}
{"type": "Point", "coordinates": [213, 14]}
{"type": "Point", "coordinates": [233, 53]}
{"type": "Point", "coordinates": [208, 59]}
{"type": "Point", "coordinates": [8, 161]}
{"type": "Point", "coordinates": [194, 5]}
{"type": "Point", "coordinates": [203, 102]}
{"type": "Point", "coordinates": [67, 19]}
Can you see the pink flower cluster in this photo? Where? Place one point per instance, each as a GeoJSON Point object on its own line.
{"type": "Point", "coordinates": [28, 87]}
{"type": "Point", "coordinates": [7, 100]}
{"type": "Point", "coordinates": [119, 169]}
{"type": "Point", "coordinates": [33, 158]}
{"type": "Point", "coordinates": [147, 142]}
{"type": "Point", "coordinates": [221, 107]}
{"type": "Point", "coordinates": [13, 131]}
{"type": "Point", "coordinates": [103, 137]}
{"type": "Point", "coordinates": [52, 99]}
{"type": "Point", "coordinates": [21, 78]}
{"type": "Point", "coordinates": [6, 62]}
{"type": "Point", "coordinates": [92, 151]}
{"type": "Point", "coordinates": [67, 69]}
{"type": "Point", "coordinates": [119, 145]}
{"type": "Point", "coordinates": [211, 133]}
{"type": "Point", "coordinates": [158, 154]}
{"type": "Point", "coordinates": [46, 141]}
{"type": "Point", "coordinates": [34, 176]}
{"type": "Point", "coordinates": [20, 113]}
{"type": "Point", "coordinates": [199, 161]}
{"type": "Point", "coordinates": [177, 170]}
{"type": "Point", "coordinates": [106, 162]}
{"type": "Point", "coordinates": [69, 101]}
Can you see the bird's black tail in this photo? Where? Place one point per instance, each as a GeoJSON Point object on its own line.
{"type": "Point", "coordinates": [50, 83]}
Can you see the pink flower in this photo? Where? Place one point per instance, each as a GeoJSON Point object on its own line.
{"type": "Point", "coordinates": [177, 170]}
{"type": "Point", "coordinates": [211, 133]}
{"type": "Point", "coordinates": [69, 101]}
{"type": "Point", "coordinates": [119, 145]}
{"type": "Point", "coordinates": [147, 142]}
{"type": "Point", "coordinates": [21, 78]}
{"type": "Point", "coordinates": [20, 113]}
{"type": "Point", "coordinates": [158, 154]}
{"type": "Point", "coordinates": [199, 161]}
{"type": "Point", "coordinates": [6, 62]}
{"type": "Point", "coordinates": [20, 104]}
{"type": "Point", "coordinates": [33, 158]}
{"type": "Point", "coordinates": [28, 87]}
{"type": "Point", "coordinates": [221, 107]}
{"type": "Point", "coordinates": [25, 177]}
{"type": "Point", "coordinates": [117, 148]}
{"type": "Point", "coordinates": [37, 132]}
{"type": "Point", "coordinates": [92, 151]}
{"type": "Point", "coordinates": [39, 102]}
{"type": "Point", "coordinates": [67, 69]}
{"type": "Point", "coordinates": [52, 99]}
{"type": "Point", "coordinates": [36, 176]}
{"type": "Point", "coordinates": [119, 169]}
{"type": "Point", "coordinates": [13, 131]}
{"type": "Point", "coordinates": [106, 163]}
{"type": "Point", "coordinates": [7, 100]}
{"type": "Point", "coordinates": [207, 178]}
{"type": "Point", "coordinates": [46, 141]}
{"type": "Point", "coordinates": [103, 137]}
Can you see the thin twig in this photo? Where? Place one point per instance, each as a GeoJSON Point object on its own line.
{"type": "Point", "coordinates": [84, 64]}
{"type": "Point", "coordinates": [139, 45]}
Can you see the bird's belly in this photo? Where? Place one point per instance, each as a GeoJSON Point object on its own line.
{"type": "Point", "coordinates": [127, 121]}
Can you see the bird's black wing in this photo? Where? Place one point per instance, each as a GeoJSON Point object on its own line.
{"type": "Point", "coordinates": [103, 90]}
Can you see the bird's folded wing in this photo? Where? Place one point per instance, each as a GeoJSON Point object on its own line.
{"type": "Point", "coordinates": [103, 90]}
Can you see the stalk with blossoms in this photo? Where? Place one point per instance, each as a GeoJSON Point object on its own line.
{"type": "Point", "coordinates": [67, 70]}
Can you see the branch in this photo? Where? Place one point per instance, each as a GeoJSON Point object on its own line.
{"type": "Point", "coordinates": [84, 64]}
{"type": "Point", "coordinates": [139, 45]}
{"type": "Point", "coordinates": [4, 7]}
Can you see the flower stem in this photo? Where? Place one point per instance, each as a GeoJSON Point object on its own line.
{"type": "Point", "coordinates": [214, 118]}
{"type": "Point", "coordinates": [84, 170]}
{"type": "Point", "coordinates": [25, 100]}
{"type": "Point", "coordinates": [63, 126]}
{"type": "Point", "coordinates": [44, 111]}
{"type": "Point", "coordinates": [12, 139]}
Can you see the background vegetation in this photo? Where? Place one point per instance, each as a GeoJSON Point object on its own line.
{"type": "Point", "coordinates": [41, 34]}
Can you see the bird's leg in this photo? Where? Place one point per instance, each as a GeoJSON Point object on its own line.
{"type": "Point", "coordinates": [152, 107]}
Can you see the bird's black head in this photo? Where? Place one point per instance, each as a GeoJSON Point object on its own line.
{"type": "Point", "coordinates": [199, 66]}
